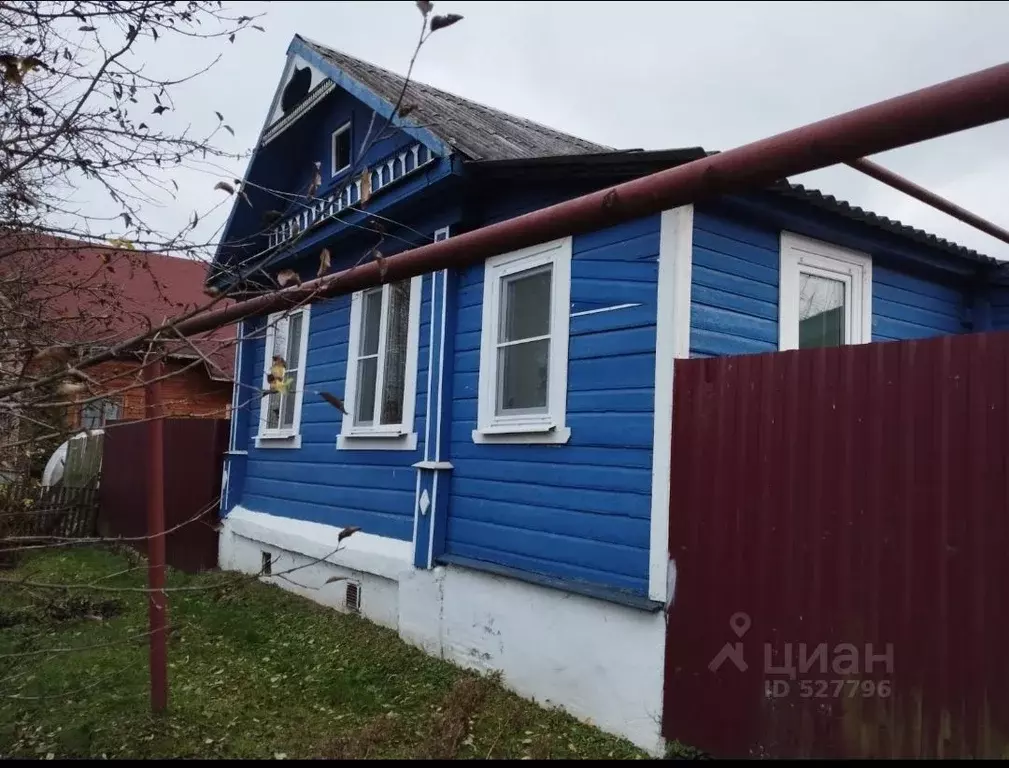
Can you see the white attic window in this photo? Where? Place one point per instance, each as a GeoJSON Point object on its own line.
{"type": "Point", "coordinates": [341, 149]}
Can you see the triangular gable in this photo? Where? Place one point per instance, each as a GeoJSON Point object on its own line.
{"type": "Point", "coordinates": [301, 56]}
{"type": "Point", "coordinates": [324, 76]}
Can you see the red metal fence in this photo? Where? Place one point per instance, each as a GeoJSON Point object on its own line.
{"type": "Point", "coordinates": [840, 532]}
{"type": "Point", "coordinates": [193, 460]}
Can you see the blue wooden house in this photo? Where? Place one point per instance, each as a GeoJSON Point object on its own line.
{"type": "Point", "coordinates": [506, 443]}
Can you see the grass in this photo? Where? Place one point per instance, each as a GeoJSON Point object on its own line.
{"type": "Point", "coordinates": [254, 672]}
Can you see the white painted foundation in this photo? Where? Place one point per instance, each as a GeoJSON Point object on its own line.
{"type": "Point", "coordinates": [599, 661]}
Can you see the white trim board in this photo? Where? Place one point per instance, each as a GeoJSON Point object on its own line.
{"type": "Point", "coordinates": [672, 341]}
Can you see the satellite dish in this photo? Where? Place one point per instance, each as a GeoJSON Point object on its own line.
{"type": "Point", "coordinates": [53, 473]}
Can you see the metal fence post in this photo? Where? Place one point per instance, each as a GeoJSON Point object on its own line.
{"type": "Point", "coordinates": [157, 600]}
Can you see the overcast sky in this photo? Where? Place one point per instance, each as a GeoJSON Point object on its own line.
{"type": "Point", "coordinates": [658, 75]}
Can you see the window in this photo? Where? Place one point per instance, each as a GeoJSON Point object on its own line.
{"type": "Point", "coordinates": [97, 413]}
{"type": "Point", "coordinates": [381, 383]}
{"type": "Point", "coordinates": [280, 412]}
{"type": "Point", "coordinates": [826, 295]}
{"type": "Point", "coordinates": [341, 149]}
{"type": "Point", "coordinates": [524, 346]}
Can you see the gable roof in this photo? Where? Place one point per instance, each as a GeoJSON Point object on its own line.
{"type": "Point", "coordinates": [476, 131]}
{"type": "Point", "coordinates": [91, 295]}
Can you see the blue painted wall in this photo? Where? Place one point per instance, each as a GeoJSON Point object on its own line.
{"type": "Point", "coordinates": [286, 164]}
{"type": "Point", "coordinates": [999, 299]}
{"type": "Point", "coordinates": [734, 293]}
{"type": "Point", "coordinates": [580, 510]}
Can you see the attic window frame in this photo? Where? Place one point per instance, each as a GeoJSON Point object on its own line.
{"type": "Point", "coordinates": [345, 128]}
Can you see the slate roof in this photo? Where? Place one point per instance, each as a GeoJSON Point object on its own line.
{"type": "Point", "coordinates": [486, 135]}
{"type": "Point", "coordinates": [477, 131]}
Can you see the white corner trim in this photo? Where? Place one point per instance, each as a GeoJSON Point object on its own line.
{"type": "Point", "coordinates": [854, 268]}
{"type": "Point", "coordinates": [552, 423]}
{"type": "Point", "coordinates": [351, 442]}
{"type": "Point", "coordinates": [236, 385]}
{"type": "Point", "coordinates": [353, 437]}
{"type": "Point", "coordinates": [364, 552]}
{"type": "Point", "coordinates": [672, 342]}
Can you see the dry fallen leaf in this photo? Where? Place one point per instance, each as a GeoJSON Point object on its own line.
{"type": "Point", "coordinates": [316, 180]}
{"type": "Point", "coordinates": [223, 185]}
{"type": "Point", "coordinates": [58, 354]}
{"type": "Point", "coordinates": [334, 401]}
{"type": "Point", "coordinates": [324, 262]}
{"type": "Point", "coordinates": [277, 377]}
{"type": "Point", "coordinates": [286, 276]}
{"type": "Point", "coordinates": [440, 22]}
{"type": "Point", "coordinates": [71, 387]}
{"type": "Point", "coordinates": [347, 532]}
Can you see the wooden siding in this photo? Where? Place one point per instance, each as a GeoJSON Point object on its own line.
{"type": "Point", "coordinates": [998, 296]}
{"type": "Point", "coordinates": [287, 163]}
{"type": "Point", "coordinates": [316, 482]}
{"type": "Point", "coordinates": [579, 511]}
{"type": "Point", "coordinates": [734, 295]}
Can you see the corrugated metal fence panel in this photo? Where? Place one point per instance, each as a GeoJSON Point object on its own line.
{"type": "Point", "coordinates": [841, 498]}
{"type": "Point", "coordinates": [194, 454]}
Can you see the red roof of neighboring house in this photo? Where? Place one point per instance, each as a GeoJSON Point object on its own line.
{"type": "Point", "coordinates": [93, 295]}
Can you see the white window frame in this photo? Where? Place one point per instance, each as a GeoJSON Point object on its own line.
{"type": "Point", "coordinates": [549, 427]}
{"type": "Point", "coordinates": [345, 128]}
{"type": "Point", "coordinates": [382, 437]}
{"type": "Point", "coordinates": [813, 257]}
{"type": "Point", "coordinates": [288, 437]}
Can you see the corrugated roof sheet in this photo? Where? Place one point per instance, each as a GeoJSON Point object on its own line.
{"type": "Point", "coordinates": [853, 212]}
{"type": "Point", "coordinates": [93, 295]}
{"type": "Point", "coordinates": [477, 131]}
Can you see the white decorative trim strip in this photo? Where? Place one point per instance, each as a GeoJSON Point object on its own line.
{"type": "Point", "coordinates": [435, 465]}
{"type": "Point", "coordinates": [290, 119]}
{"type": "Point", "coordinates": [383, 174]}
{"type": "Point", "coordinates": [672, 342]}
{"type": "Point", "coordinates": [604, 309]}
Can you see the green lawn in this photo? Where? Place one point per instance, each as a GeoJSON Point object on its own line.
{"type": "Point", "coordinates": [255, 672]}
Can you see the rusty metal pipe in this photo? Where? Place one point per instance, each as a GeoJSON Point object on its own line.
{"type": "Point", "coordinates": [908, 187]}
{"type": "Point", "coordinates": [157, 610]}
{"type": "Point", "coordinates": [955, 105]}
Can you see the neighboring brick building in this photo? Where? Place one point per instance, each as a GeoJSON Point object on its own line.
{"type": "Point", "coordinates": [91, 297]}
